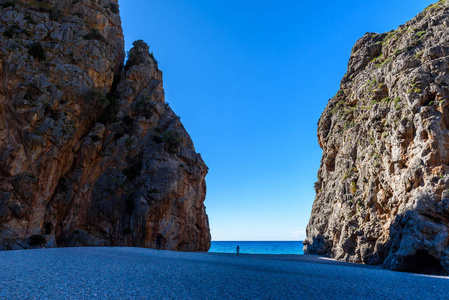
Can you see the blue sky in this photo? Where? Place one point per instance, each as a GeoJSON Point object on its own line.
{"type": "Point", "coordinates": [249, 80]}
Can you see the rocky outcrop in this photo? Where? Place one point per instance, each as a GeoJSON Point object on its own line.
{"type": "Point", "coordinates": [382, 195]}
{"type": "Point", "coordinates": [90, 153]}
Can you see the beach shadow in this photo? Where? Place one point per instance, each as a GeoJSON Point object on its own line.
{"type": "Point", "coordinates": [316, 259]}
{"type": "Point", "coordinates": [313, 259]}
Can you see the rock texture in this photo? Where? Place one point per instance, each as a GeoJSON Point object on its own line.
{"type": "Point", "coordinates": [383, 184]}
{"type": "Point", "coordinates": [90, 153]}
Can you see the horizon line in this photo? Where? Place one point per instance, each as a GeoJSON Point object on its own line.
{"type": "Point", "coordinates": [257, 241]}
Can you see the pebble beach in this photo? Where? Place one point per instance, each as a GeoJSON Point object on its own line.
{"type": "Point", "coordinates": [136, 273]}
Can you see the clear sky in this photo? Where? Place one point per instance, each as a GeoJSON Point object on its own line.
{"type": "Point", "coordinates": [249, 80]}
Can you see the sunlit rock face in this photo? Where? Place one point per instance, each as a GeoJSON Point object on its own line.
{"type": "Point", "coordinates": [383, 184]}
{"type": "Point", "coordinates": [90, 153]}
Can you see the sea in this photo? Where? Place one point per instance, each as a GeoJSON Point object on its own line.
{"type": "Point", "coordinates": [272, 247]}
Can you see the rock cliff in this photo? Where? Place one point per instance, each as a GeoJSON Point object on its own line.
{"type": "Point", "coordinates": [90, 153]}
{"type": "Point", "coordinates": [382, 195]}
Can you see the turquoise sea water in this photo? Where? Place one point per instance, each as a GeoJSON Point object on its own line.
{"type": "Point", "coordinates": [258, 247]}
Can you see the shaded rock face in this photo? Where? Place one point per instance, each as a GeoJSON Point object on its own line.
{"type": "Point", "coordinates": [90, 153]}
{"type": "Point", "coordinates": [383, 184]}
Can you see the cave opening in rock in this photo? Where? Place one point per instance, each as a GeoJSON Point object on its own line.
{"type": "Point", "coordinates": [424, 263]}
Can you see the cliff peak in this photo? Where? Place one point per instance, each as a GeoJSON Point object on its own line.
{"type": "Point", "coordinates": [90, 154]}
{"type": "Point", "coordinates": [382, 190]}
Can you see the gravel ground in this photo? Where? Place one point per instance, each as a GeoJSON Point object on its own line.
{"type": "Point", "coordinates": [135, 273]}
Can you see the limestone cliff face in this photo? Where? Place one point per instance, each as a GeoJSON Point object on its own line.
{"type": "Point", "coordinates": [383, 184]}
{"type": "Point", "coordinates": [90, 153]}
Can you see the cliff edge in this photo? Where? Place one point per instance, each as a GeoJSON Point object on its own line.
{"type": "Point", "coordinates": [90, 153]}
{"type": "Point", "coordinates": [382, 195]}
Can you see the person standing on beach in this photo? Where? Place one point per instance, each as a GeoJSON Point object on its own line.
{"type": "Point", "coordinates": [238, 250]}
{"type": "Point", "coordinates": [158, 242]}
